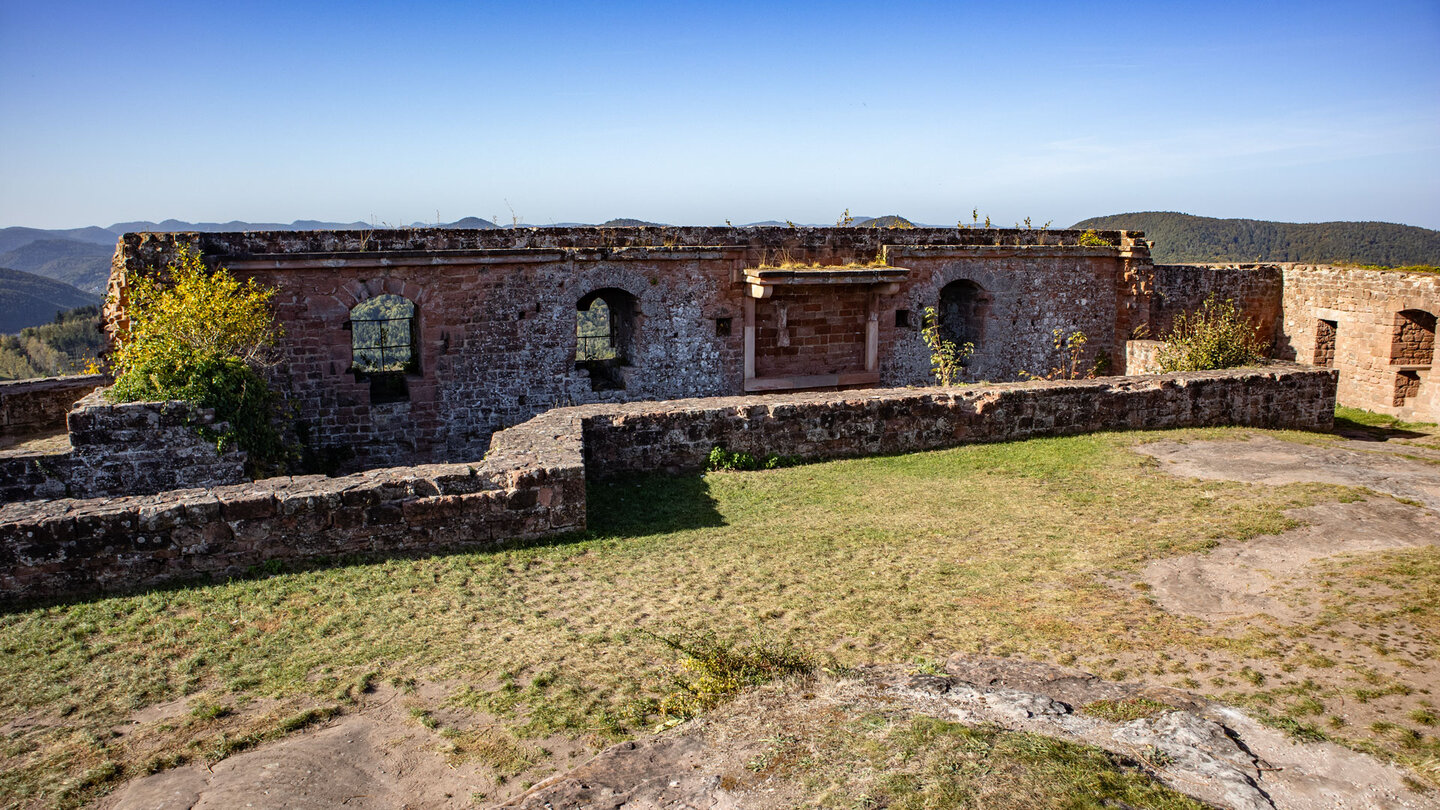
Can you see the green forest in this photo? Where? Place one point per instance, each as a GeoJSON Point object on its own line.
{"type": "Point", "coordinates": [1187, 238]}
{"type": "Point", "coordinates": [382, 334]}
{"type": "Point", "coordinates": [66, 346]}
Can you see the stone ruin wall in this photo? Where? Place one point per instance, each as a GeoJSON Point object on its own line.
{"type": "Point", "coordinates": [1256, 289]}
{"type": "Point", "coordinates": [135, 448]}
{"type": "Point", "coordinates": [497, 314]}
{"type": "Point", "coordinates": [1376, 327]}
{"type": "Point", "coordinates": [1352, 318]}
{"type": "Point", "coordinates": [532, 482]}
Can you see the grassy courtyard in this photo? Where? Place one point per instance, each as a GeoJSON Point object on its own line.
{"type": "Point", "coordinates": [1029, 549]}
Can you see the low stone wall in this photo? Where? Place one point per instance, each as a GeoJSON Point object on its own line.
{"type": "Point", "coordinates": [28, 406]}
{"type": "Point", "coordinates": [531, 485]}
{"type": "Point", "coordinates": [131, 448]}
{"type": "Point", "coordinates": [679, 435]}
{"type": "Point", "coordinates": [532, 482]}
{"type": "Point", "coordinates": [1142, 357]}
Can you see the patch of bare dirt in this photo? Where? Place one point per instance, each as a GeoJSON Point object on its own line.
{"type": "Point", "coordinates": [56, 440]}
{"type": "Point", "coordinates": [1256, 576]}
{"type": "Point", "coordinates": [378, 755]}
{"type": "Point", "coordinates": [1267, 460]}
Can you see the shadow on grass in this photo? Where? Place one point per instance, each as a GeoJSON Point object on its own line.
{"type": "Point", "coordinates": [650, 503]}
{"type": "Point", "coordinates": [1375, 431]}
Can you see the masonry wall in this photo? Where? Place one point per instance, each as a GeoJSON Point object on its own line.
{"type": "Point", "coordinates": [799, 333]}
{"type": "Point", "coordinates": [532, 482]}
{"type": "Point", "coordinates": [497, 315]}
{"type": "Point", "coordinates": [1256, 289]}
{"type": "Point", "coordinates": [28, 406]}
{"type": "Point", "coordinates": [1032, 294]}
{"type": "Point", "coordinates": [531, 485]}
{"type": "Point", "coordinates": [1363, 305]}
{"type": "Point", "coordinates": [679, 435]}
{"type": "Point", "coordinates": [131, 448]}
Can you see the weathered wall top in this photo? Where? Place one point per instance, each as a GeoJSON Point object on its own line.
{"type": "Point", "coordinates": [822, 239]}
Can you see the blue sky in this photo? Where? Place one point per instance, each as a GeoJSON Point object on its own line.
{"type": "Point", "coordinates": [697, 113]}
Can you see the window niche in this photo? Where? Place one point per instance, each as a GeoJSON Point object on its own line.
{"type": "Point", "coordinates": [383, 346]}
{"type": "Point", "coordinates": [1325, 332]}
{"type": "Point", "coordinates": [964, 306]}
{"type": "Point", "coordinates": [605, 327]}
{"type": "Point", "coordinates": [1413, 340]}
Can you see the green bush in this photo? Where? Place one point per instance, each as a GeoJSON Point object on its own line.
{"type": "Point", "coordinates": [240, 396]}
{"type": "Point", "coordinates": [1212, 337]}
{"type": "Point", "coordinates": [202, 336]}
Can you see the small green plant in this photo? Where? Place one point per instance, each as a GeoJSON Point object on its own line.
{"type": "Point", "coordinates": [1212, 337]}
{"type": "Point", "coordinates": [925, 666]}
{"type": "Point", "coordinates": [1089, 238]}
{"type": "Point", "coordinates": [1071, 351]}
{"type": "Point", "coordinates": [714, 670]}
{"type": "Point", "coordinates": [947, 360]}
{"type": "Point", "coordinates": [722, 459]}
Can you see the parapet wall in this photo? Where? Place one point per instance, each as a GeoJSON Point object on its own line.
{"type": "Point", "coordinates": [679, 435]}
{"type": "Point", "coordinates": [28, 406]}
{"type": "Point", "coordinates": [532, 482]}
{"type": "Point", "coordinates": [123, 449]}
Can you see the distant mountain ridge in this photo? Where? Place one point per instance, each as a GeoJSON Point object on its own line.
{"type": "Point", "coordinates": [83, 264]}
{"type": "Point", "coordinates": [1188, 238]}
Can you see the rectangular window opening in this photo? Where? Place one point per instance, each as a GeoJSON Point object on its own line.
{"type": "Point", "coordinates": [1325, 332]}
{"type": "Point", "coordinates": [902, 319]}
{"type": "Point", "coordinates": [722, 327]}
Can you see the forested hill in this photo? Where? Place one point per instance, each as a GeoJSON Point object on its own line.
{"type": "Point", "coordinates": [27, 299]}
{"type": "Point", "coordinates": [1186, 238]}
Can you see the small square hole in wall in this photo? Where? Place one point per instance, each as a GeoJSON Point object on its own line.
{"type": "Point", "coordinates": [722, 327]}
{"type": "Point", "coordinates": [902, 319]}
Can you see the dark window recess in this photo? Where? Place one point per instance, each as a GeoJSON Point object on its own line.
{"type": "Point", "coordinates": [1407, 386]}
{"type": "Point", "coordinates": [722, 327]}
{"type": "Point", "coordinates": [964, 306]}
{"type": "Point", "coordinates": [1414, 338]}
{"type": "Point", "coordinates": [1325, 332]}
{"type": "Point", "coordinates": [382, 346]}
{"type": "Point", "coordinates": [902, 319]}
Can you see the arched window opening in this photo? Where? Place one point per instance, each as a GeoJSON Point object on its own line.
{"type": "Point", "coordinates": [963, 307]}
{"type": "Point", "coordinates": [1413, 341]}
{"type": "Point", "coordinates": [605, 327]}
{"type": "Point", "coordinates": [383, 346]}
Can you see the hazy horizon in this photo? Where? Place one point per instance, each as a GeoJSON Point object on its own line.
{"type": "Point", "coordinates": [274, 112]}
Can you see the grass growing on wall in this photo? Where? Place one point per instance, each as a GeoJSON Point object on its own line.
{"type": "Point", "coordinates": [1006, 549]}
